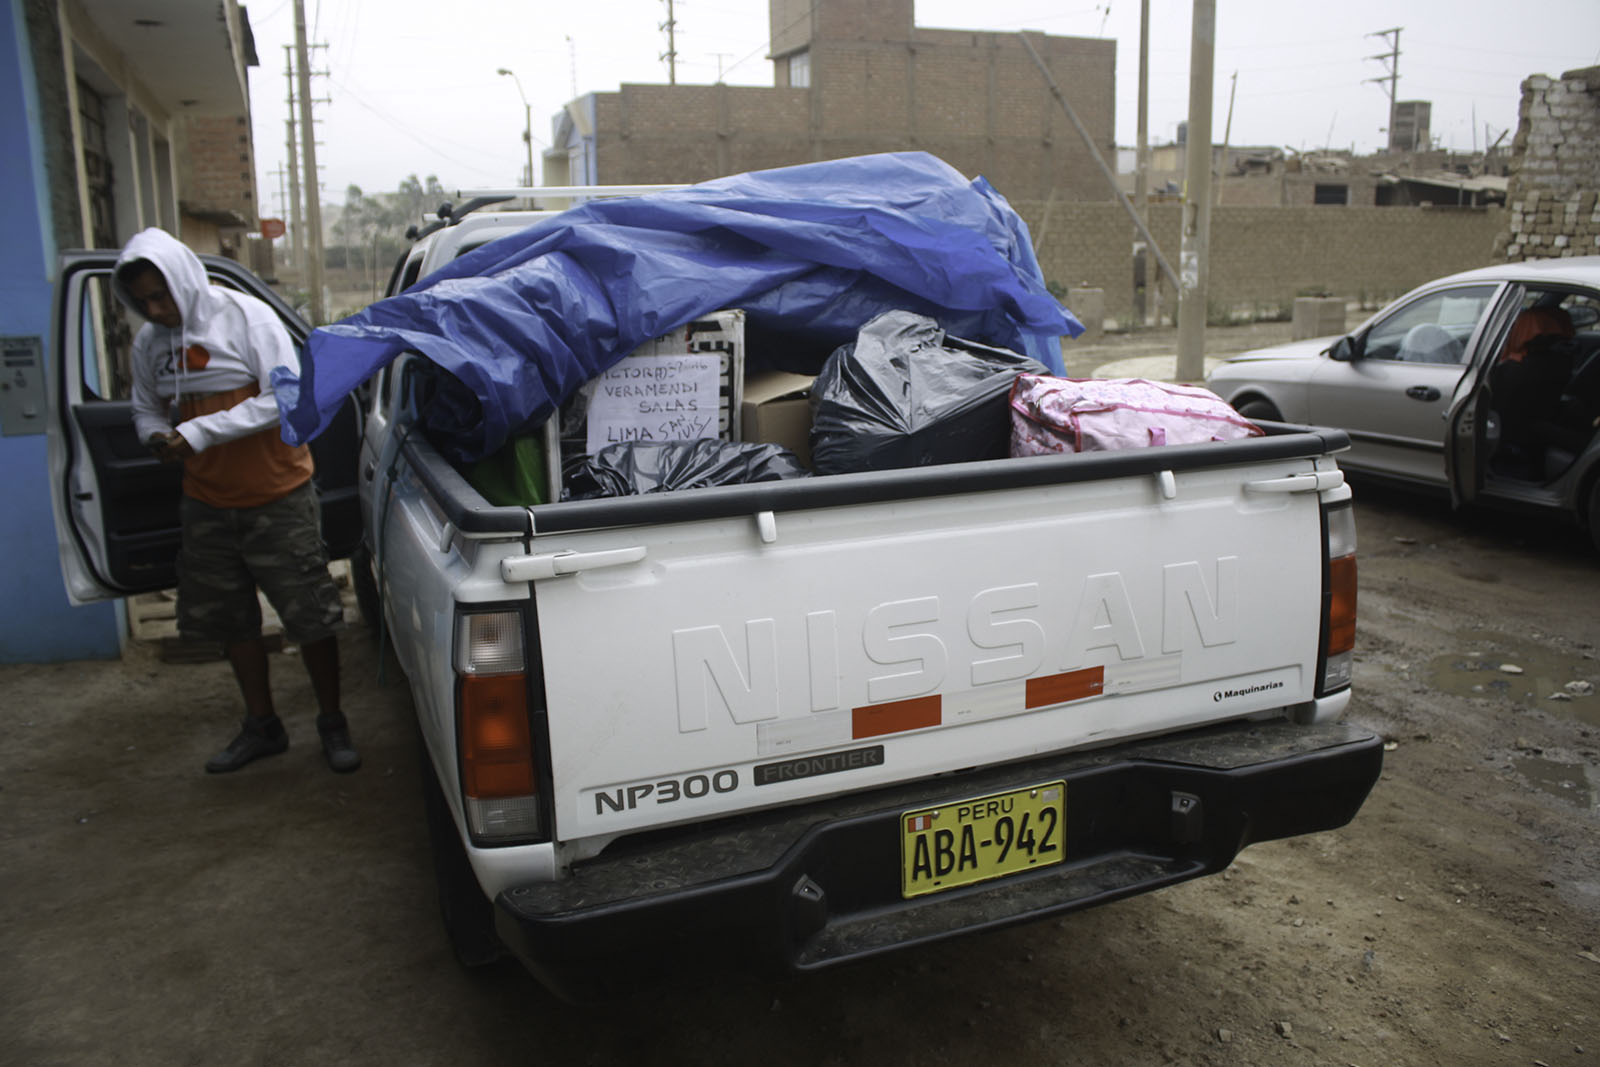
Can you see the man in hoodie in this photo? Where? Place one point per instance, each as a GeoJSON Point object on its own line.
{"type": "Point", "coordinates": [249, 511]}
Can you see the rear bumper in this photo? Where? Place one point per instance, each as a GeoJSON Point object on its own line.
{"type": "Point", "coordinates": [808, 888]}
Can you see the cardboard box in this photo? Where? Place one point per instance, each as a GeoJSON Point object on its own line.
{"type": "Point", "coordinates": [777, 410]}
{"type": "Point", "coordinates": [694, 392]}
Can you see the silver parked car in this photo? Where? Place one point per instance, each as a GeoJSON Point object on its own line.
{"type": "Point", "coordinates": [1485, 384]}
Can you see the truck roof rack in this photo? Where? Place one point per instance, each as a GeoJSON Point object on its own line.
{"type": "Point", "coordinates": [449, 214]}
{"type": "Point", "coordinates": [568, 191]}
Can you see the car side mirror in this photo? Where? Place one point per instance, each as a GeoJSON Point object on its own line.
{"type": "Point", "coordinates": [1344, 350]}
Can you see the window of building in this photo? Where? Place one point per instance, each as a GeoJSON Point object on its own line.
{"type": "Point", "coordinates": [800, 70]}
{"type": "Point", "coordinates": [97, 165]}
{"type": "Point", "coordinates": [1331, 194]}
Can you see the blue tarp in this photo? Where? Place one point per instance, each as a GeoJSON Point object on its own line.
{"type": "Point", "coordinates": [809, 252]}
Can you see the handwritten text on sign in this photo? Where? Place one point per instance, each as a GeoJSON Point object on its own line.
{"type": "Point", "coordinates": [655, 398]}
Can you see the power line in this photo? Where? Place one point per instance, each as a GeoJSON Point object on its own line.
{"type": "Point", "coordinates": [766, 46]}
{"type": "Point", "coordinates": [409, 131]}
{"type": "Point", "coordinates": [1486, 51]}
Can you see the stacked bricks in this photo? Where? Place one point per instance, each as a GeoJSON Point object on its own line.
{"type": "Point", "coordinates": [219, 166]}
{"type": "Point", "coordinates": [1555, 170]}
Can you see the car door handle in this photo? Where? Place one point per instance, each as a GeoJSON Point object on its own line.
{"type": "Point", "coordinates": [369, 470]}
{"type": "Point", "coordinates": [1423, 392]}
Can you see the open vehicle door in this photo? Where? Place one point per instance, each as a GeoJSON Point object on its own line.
{"type": "Point", "coordinates": [1466, 440]}
{"type": "Point", "coordinates": [115, 504]}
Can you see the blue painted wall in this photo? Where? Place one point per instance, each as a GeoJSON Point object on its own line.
{"type": "Point", "coordinates": [37, 624]}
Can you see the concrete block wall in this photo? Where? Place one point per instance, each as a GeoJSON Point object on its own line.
{"type": "Point", "coordinates": [659, 133]}
{"type": "Point", "coordinates": [879, 20]}
{"type": "Point", "coordinates": [1553, 209]}
{"type": "Point", "coordinates": [789, 24]}
{"type": "Point", "coordinates": [1317, 316]}
{"type": "Point", "coordinates": [1263, 257]}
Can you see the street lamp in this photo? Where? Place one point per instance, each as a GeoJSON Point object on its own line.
{"type": "Point", "coordinates": [527, 119]}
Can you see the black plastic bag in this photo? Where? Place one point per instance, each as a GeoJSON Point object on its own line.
{"type": "Point", "coordinates": [635, 467]}
{"type": "Point", "coordinates": [905, 395]}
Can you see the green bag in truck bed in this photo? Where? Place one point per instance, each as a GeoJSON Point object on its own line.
{"type": "Point", "coordinates": [514, 476]}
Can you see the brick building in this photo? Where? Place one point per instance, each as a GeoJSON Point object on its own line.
{"type": "Point", "coordinates": [144, 119]}
{"type": "Point", "coordinates": [216, 180]}
{"type": "Point", "coordinates": [1554, 195]}
{"type": "Point", "coordinates": [853, 77]}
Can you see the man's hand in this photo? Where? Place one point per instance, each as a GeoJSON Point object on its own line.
{"type": "Point", "coordinates": [169, 447]}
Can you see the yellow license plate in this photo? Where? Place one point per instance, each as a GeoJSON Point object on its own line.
{"type": "Point", "coordinates": [986, 837]}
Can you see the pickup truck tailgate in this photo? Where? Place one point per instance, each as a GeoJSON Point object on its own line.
{"type": "Point", "coordinates": [712, 665]}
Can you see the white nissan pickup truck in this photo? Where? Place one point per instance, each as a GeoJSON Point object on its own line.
{"type": "Point", "coordinates": [791, 724]}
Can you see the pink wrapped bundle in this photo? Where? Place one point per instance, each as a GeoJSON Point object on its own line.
{"type": "Point", "coordinates": [1101, 414]}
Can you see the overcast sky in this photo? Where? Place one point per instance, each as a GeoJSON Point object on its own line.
{"type": "Point", "coordinates": [413, 89]}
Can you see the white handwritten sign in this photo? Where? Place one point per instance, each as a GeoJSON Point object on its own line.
{"type": "Point", "coordinates": [655, 398]}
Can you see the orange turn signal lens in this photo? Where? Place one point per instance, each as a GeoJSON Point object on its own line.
{"type": "Point", "coordinates": [1341, 605]}
{"type": "Point", "coordinates": [496, 750]}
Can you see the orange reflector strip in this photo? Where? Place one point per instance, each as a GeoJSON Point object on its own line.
{"type": "Point", "coordinates": [915, 714]}
{"type": "Point", "coordinates": [1060, 688]}
{"type": "Point", "coordinates": [1341, 605]}
{"type": "Point", "coordinates": [496, 751]}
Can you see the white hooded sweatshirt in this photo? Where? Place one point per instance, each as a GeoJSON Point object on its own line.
{"type": "Point", "coordinates": [239, 340]}
{"type": "Point", "coordinates": [218, 365]}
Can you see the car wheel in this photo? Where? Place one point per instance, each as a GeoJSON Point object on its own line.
{"type": "Point", "coordinates": [1264, 410]}
{"type": "Point", "coordinates": [467, 914]}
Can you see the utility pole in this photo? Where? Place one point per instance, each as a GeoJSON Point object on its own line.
{"type": "Point", "coordinates": [527, 123]}
{"type": "Point", "coordinates": [297, 231]}
{"type": "Point", "coordinates": [1141, 179]}
{"type": "Point", "coordinates": [309, 142]}
{"type": "Point", "coordinates": [282, 174]}
{"type": "Point", "coordinates": [1192, 259]}
{"type": "Point", "coordinates": [1227, 135]}
{"type": "Point", "coordinates": [1391, 62]}
{"type": "Point", "coordinates": [671, 54]}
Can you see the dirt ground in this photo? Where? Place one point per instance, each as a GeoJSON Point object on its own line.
{"type": "Point", "coordinates": [150, 913]}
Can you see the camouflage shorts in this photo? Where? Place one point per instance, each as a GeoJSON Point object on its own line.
{"type": "Point", "coordinates": [229, 552]}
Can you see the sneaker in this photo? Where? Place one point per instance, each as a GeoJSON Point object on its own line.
{"type": "Point", "coordinates": [257, 738]}
{"type": "Point", "coordinates": [341, 754]}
